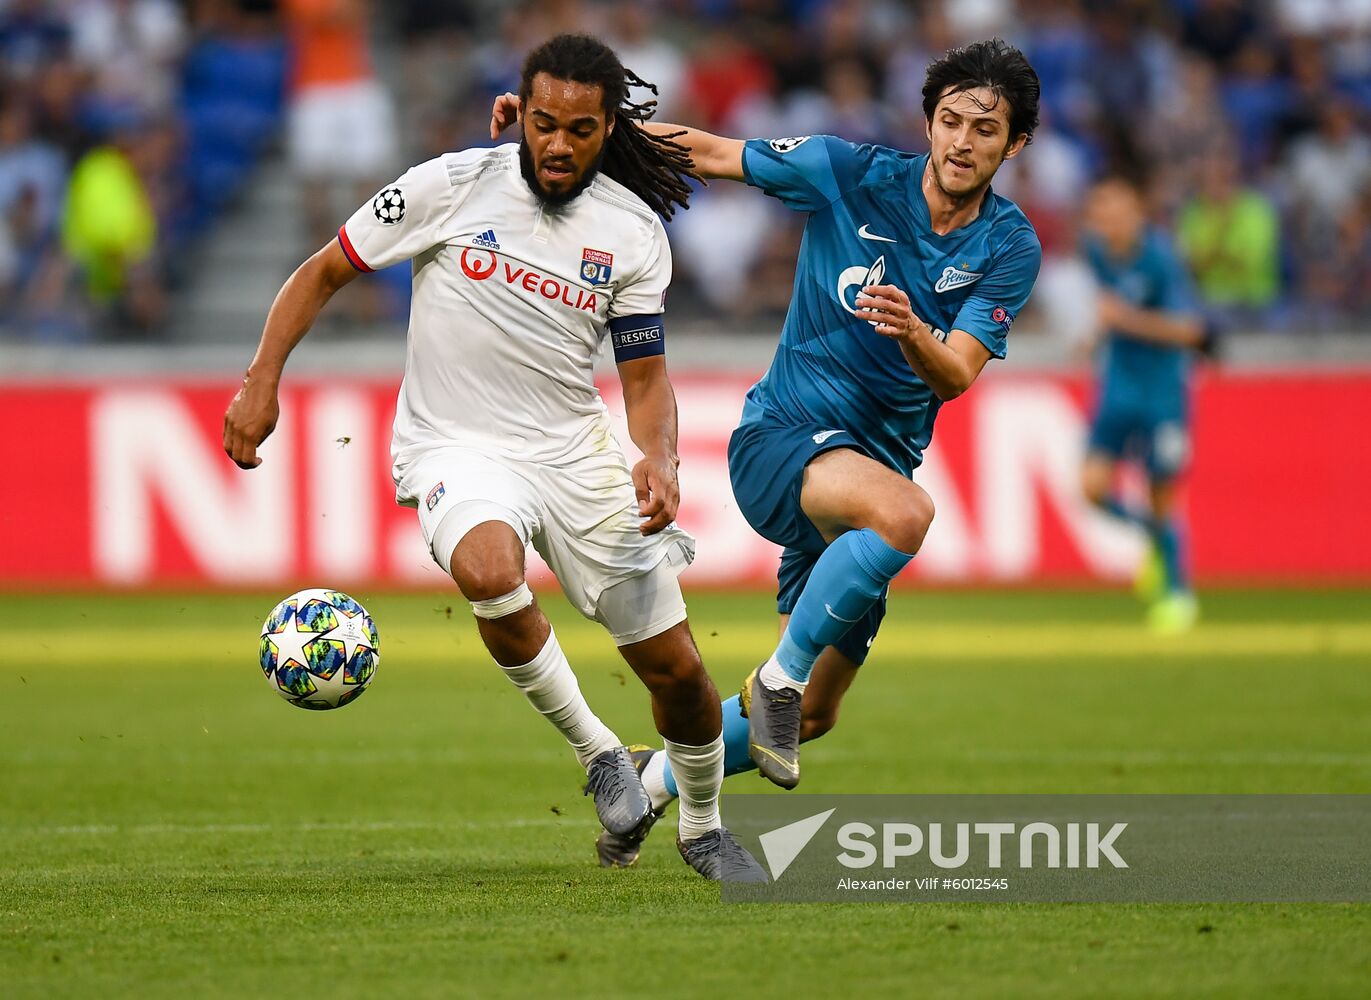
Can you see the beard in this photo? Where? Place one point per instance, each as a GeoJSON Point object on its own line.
{"type": "Point", "coordinates": [976, 187]}
{"type": "Point", "coordinates": [559, 198]}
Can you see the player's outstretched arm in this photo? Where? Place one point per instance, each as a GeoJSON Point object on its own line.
{"type": "Point", "coordinates": [948, 367]}
{"type": "Point", "coordinates": [715, 157]}
{"type": "Point", "coordinates": [1161, 326]}
{"type": "Point", "coordinates": [650, 404]}
{"type": "Point", "coordinates": [252, 415]}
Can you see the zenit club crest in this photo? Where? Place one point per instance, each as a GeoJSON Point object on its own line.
{"type": "Point", "coordinates": [596, 266]}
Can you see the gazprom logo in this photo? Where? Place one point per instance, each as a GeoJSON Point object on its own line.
{"type": "Point", "coordinates": [861, 277]}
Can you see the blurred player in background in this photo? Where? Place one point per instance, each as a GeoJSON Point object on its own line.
{"type": "Point", "coordinates": [524, 257]}
{"type": "Point", "coordinates": [341, 134]}
{"type": "Point", "coordinates": [1148, 330]}
{"type": "Point", "coordinates": [908, 280]}
{"type": "Point", "coordinates": [341, 126]}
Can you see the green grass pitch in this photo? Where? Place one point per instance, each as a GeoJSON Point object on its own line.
{"type": "Point", "coordinates": [169, 827]}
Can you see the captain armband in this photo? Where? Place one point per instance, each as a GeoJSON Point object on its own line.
{"type": "Point", "coordinates": [637, 337]}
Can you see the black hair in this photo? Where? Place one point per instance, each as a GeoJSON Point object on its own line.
{"type": "Point", "coordinates": [995, 65]}
{"type": "Point", "coordinates": [651, 166]}
{"type": "Point", "coordinates": [1128, 172]}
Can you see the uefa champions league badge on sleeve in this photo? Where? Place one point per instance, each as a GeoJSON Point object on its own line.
{"type": "Point", "coordinates": [388, 206]}
{"type": "Point", "coordinates": [596, 266]}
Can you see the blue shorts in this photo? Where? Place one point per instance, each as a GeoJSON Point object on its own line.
{"type": "Point", "coordinates": [766, 464]}
{"type": "Point", "coordinates": [1160, 443]}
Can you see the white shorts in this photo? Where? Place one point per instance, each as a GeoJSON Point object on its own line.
{"type": "Point", "coordinates": [580, 516]}
{"type": "Point", "coordinates": [346, 131]}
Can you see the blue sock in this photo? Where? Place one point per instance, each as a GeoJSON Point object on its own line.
{"type": "Point", "coordinates": [736, 757]}
{"type": "Point", "coordinates": [1167, 537]}
{"type": "Point", "coordinates": [848, 579]}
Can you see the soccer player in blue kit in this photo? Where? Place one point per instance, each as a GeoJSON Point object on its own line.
{"type": "Point", "coordinates": [909, 277]}
{"type": "Point", "coordinates": [1149, 329]}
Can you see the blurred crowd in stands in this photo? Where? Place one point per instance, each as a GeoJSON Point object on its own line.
{"type": "Point", "coordinates": [125, 127]}
{"type": "Point", "coordinates": [128, 126]}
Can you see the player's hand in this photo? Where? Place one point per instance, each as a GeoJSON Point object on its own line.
{"type": "Point", "coordinates": [887, 309]}
{"type": "Point", "coordinates": [1111, 312]}
{"type": "Point", "coordinates": [659, 493]}
{"type": "Point", "coordinates": [503, 113]}
{"type": "Point", "coordinates": [250, 418]}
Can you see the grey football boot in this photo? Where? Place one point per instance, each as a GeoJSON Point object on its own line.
{"type": "Point", "coordinates": [773, 721]}
{"type": "Point", "coordinates": [720, 858]}
{"type": "Point", "coordinates": [616, 850]}
{"type": "Point", "coordinates": [621, 802]}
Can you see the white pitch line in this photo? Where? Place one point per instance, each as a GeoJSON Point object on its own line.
{"type": "Point", "coordinates": [1235, 758]}
{"type": "Point", "coordinates": [1222, 758]}
{"type": "Point", "coordinates": [382, 826]}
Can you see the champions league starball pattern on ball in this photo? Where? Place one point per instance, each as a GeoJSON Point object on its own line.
{"type": "Point", "coordinates": [389, 206]}
{"type": "Point", "coordinates": [319, 649]}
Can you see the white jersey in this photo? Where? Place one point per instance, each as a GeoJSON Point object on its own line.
{"type": "Point", "coordinates": [511, 301]}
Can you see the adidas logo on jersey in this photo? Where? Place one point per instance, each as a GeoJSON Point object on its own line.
{"type": "Point", "coordinates": [487, 240]}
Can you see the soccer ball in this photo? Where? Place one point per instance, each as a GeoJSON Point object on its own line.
{"type": "Point", "coordinates": [389, 206]}
{"type": "Point", "coordinates": [319, 649]}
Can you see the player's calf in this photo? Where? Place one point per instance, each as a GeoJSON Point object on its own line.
{"type": "Point", "coordinates": [488, 565]}
{"type": "Point", "coordinates": [812, 727]}
{"type": "Point", "coordinates": [685, 704]}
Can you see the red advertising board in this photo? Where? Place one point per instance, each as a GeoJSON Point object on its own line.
{"type": "Point", "coordinates": [124, 484]}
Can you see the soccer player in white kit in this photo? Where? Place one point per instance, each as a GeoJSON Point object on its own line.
{"type": "Point", "coordinates": [525, 256]}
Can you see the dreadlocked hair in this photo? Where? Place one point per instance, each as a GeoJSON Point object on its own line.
{"type": "Point", "coordinates": [651, 166]}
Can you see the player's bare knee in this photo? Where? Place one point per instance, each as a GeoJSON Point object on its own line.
{"type": "Point", "coordinates": [678, 678]}
{"type": "Point", "coordinates": [907, 522]}
{"type": "Point", "coordinates": [484, 581]}
{"type": "Point", "coordinates": [1095, 485]}
{"type": "Point", "coordinates": [1093, 492]}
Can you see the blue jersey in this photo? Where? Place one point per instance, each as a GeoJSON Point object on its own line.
{"type": "Point", "coordinates": [1139, 376]}
{"type": "Point", "coordinates": [869, 225]}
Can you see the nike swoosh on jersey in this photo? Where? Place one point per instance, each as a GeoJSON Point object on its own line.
{"type": "Point", "coordinates": [867, 234]}
{"type": "Point", "coordinates": [838, 617]}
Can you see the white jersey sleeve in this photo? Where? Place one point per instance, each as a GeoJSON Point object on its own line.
{"type": "Point", "coordinates": [644, 294]}
{"type": "Point", "coordinates": [405, 218]}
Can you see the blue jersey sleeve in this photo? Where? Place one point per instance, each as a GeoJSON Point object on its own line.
{"type": "Point", "coordinates": [990, 311]}
{"type": "Point", "coordinates": [806, 173]}
{"type": "Point", "coordinates": [1175, 292]}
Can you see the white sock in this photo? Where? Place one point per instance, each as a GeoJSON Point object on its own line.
{"type": "Point", "coordinates": [550, 687]}
{"type": "Point", "coordinates": [699, 771]}
{"type": "Point", "coordinates": [773, 675]}
{"type": "Point", "coordinates": [654, 780]}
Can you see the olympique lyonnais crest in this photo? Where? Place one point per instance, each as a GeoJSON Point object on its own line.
{"type": "Point", "coordinates": [596, 266]}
